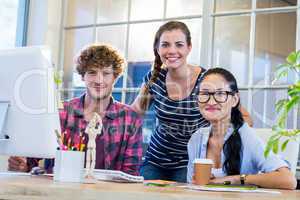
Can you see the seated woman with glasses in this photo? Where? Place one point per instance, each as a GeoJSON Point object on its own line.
{"type": "Point", "coordinates": [236, 151]}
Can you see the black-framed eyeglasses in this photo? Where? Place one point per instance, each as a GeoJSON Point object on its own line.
{"type": "Point", "coordinates": [219, 96]}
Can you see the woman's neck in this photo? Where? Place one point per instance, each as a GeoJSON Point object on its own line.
{"type": "Point", "coordinates": [181, 73]}
{"type": "Point", "coordinates": [219, 128]}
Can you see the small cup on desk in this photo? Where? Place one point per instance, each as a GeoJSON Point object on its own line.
{"type": "Point", "coordinates": [69, 166]}
{"type": "Point", "coordinates": [202, 171]}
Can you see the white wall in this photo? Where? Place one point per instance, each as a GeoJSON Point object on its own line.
{"type": "Point", "coordinates": [44, 25]}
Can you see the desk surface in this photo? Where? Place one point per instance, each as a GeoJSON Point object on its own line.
{"type": "Point", "coordinates": [33, 188]}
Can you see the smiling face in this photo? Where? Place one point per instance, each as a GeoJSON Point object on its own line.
{"type": "Point", "coordinates": [173, 48]}
{"type": "Point", "coordinates": [99, 82]}
{"type": "Point", "coordinates": [219, 110]}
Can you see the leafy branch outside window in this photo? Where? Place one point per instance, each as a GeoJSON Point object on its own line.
{"type": "Point", "coordinates": [285, 106]}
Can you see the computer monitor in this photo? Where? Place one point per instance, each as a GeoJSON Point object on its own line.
{"type": "Point", "coordinates": [28, 105]}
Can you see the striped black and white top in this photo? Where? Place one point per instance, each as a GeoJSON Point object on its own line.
{"type": "Point", "coordinates": [177, 120]}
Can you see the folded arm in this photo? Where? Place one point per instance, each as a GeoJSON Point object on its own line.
{"type": "Point", "coordinates": [281, 178]}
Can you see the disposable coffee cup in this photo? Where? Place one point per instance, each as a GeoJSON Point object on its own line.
{"type": "Point", "coordinates": [202, 171]}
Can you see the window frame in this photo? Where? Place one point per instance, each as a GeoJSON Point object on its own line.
{"type": "Point", "coordinates": [207, 42]}
{"type": "Point", "coordinates": [207, 45]}
{"type": "Point", "coordinates": [22, 23]}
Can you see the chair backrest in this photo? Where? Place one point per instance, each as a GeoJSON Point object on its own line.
{"type": "Point", "coordinates": [291, 152]}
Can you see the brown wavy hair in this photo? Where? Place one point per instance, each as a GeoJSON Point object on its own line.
{"type": "Point", "coordinates": [99, 56]}
{"type": "Point", "coordinates": [157, 65]}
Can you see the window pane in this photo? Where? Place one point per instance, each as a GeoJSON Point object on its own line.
{"type": "Point", "coordinates": [176, 8]}
{"type": "Point", "coordinates": [78, 91]}
{"type": "Point", "coordinates": [80, 12]}
{"type": "Point", "coordinates": [257, 108]}
{"type": "Point", "coordinates": [8, 22]}
{"type": "Point", "coordinates": [112, 11]}
{"type": "Point", "coordinates": [272, 97]}
{"type": "Point", "coordinates": [117, 96]}
{"type": "Point", "coordinates": [114, 35]}
{"type": "Point", "coordinates": [231, 46]}
{"type": "Point", "coordinates": [275, 39]}
{"type": "Point", "coordinates": [195, 27]}
{"type": "Point", "coordinates": [119, 83]}
{"type": "Point", "coordinates": [136, 73]}
{"type": "Point", "coordinates": [75, 40]}
{"type": "Point", "coordinates": [225, 5]}
{"type": "Point", "coordinates": [244, 98]}
{"type": "Point", "coordinates": [141, 39]}
{"type": "Point", "coordinates": [275, 3]}
{"type": "Point", "coordinates": [267, 98]}
{"type": "Point", "coordinates": [145, 9]}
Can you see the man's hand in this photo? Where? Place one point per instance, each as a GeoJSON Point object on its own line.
{"type": "Point", "coordinates": [17, 164]}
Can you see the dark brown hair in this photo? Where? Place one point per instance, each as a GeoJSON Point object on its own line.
{"type": "Point", "coordinates": [157, 65]}
{"type": "Point", "coordinates": [99, 56]}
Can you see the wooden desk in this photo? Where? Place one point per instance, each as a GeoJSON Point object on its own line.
{"type": "Point", "coordinates": [33, 188]}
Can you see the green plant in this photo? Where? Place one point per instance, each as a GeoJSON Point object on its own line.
{"type": "Point", "coordinates": [284, 106]}
{"type": "Point", "coordinates": [57, 78]}
{"type": "Point", "coordinates": [57, 75]}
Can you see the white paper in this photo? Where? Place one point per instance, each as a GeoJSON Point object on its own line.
{"type": "Point", "coordinates": [229, 189]}
{"type": "Point", "coordinates": [118, 176]}
{"type": "Point", "coordinates": [9, 173]}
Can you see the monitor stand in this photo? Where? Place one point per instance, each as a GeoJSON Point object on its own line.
{"type": "Point", "coordinates": [4, 105]}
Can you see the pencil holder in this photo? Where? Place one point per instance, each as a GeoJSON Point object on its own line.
{"type": "Point", "coordinates": [68, 166]}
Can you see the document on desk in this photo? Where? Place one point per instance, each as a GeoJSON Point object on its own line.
{"type": "Point", "coordinates": [11, 173]}
{"type": "Point", "coordinates": [230, 189]}
{"type": "Point", "coordinates": [116, 176]}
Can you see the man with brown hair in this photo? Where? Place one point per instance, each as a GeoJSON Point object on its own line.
{"type": "Point", "coordinates": [119, 145]}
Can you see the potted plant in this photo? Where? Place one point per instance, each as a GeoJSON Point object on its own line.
{"type": "Point", "coordinates": [284, 106]}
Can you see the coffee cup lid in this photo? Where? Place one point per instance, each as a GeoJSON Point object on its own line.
{"type": "Point", "coordinates": [203, 161]}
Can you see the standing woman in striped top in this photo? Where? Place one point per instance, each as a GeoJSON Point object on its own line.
{"type": "Point", "coordinates": [172, 88]}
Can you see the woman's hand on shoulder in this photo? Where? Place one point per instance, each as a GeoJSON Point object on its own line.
{"type": "Point", "coordinates": [137, 103]}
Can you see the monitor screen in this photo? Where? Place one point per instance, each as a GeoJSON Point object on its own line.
{"type": "Point", "coordinates": [28, 105]}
